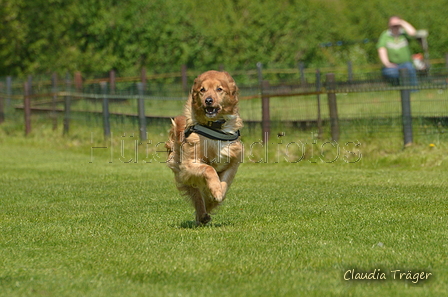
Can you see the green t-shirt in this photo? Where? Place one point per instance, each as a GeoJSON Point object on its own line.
{"type": "Point", "coordinates": [397, 48]}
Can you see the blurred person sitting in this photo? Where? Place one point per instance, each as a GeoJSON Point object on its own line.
{"type": "Point", "coordinates": [394, 51]}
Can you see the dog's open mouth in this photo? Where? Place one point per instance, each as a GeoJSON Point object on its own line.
{"type": "Point", "coordinates": [211, 111]}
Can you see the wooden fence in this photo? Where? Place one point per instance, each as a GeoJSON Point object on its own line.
{"type": "Point", "coordinates": [266, 90]}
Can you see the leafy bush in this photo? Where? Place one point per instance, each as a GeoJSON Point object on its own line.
{"type": "Point", "coordinates": [92, 36]}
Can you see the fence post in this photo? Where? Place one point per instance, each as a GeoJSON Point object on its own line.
{"type": "Point", "coordinates": [265, 117]}
{"type": "Point", "coordinates": [184, 78]}
{"type": "Point", "coordinates": [27, 107]}
{"type": "Point", "coordinates": [2, 105]}
{"type": "Point", "coordinates": [265, 114]}
{"type": "Point", "coordinates": [67, 103]}
{"type": "Point", "coordinates": [141, 111]}
{"type": "Point", "coordinates": [260, 76]}
{"type": "Point", "coordinates": [30, 85]}
{"type": "Point", "coordinates": [319, 115]}
{"type": "Point", "coordinates": [446, 60]}
{"type": "Point", "coordinates": [78, 81]}
{"type": "Point", "coordinates": [106, 124]}
{"type": "Point", "coordinates": [143, 77]}
{"type": "Point", "coordinates": [112, 82]}
{"type": "Point", "coordinates": [302, 73]}
{"type": "Point", "coordinates": [350, 71]}
{"type": "Point", "coordinates": [332, 105]}
{"type": "Point", "coordinates": [406, 108]}
{"type": "Point", "coordinates": [54, 89]}
{"type": "Point", "coordinates": [8, 90]}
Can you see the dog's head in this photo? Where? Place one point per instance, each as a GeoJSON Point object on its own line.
{"type": "Point", "coordinates": [213, 96]}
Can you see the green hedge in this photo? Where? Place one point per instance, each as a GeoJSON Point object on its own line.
{"type": "Point", "coordinates": [95, 36]}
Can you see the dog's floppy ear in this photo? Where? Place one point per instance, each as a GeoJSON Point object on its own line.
{"type": "Point", "coordinates": [196, 83]}
{"type": "Point", "coordinates": [232, 84]}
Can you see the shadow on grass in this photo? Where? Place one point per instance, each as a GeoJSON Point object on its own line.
{"type": "Point", "coordinates": [193, 225]}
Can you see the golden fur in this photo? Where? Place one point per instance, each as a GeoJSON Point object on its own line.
{"type": "Point", "coordinates": [204, 168]}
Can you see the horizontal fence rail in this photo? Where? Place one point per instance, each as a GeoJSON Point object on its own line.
{"type": "Point", "coordinates": [311, 99]}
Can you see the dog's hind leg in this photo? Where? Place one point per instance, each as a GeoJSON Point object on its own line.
{"type": "Point", "coordinates": [202, 217]}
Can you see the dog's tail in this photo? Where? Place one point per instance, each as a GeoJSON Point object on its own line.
{"type": "Point", "coordinates": [176, 134]}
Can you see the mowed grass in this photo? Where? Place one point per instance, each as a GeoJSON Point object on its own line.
{"type": "Point", "coordinates": [69, 227]}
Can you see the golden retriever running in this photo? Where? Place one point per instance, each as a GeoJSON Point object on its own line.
{"type": "Point", "coordinates": [204, 145]}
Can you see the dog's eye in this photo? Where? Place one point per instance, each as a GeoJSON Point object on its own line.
{"type": "Point", "coordinates": [219, 89]}
{"type": "Point", "coordinates": [202, 90]}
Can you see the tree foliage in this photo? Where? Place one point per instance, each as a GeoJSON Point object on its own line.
{"type": "Point", "coordinates": [93, 36]}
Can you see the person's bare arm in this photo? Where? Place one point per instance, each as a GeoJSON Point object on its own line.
{"type": "Point", "coordinates": [382, 53]}
{"type": "Point", "coordinates": [408, 27]}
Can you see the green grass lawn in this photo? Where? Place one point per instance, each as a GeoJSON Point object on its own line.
{"type": "Point", "coordinates": [69, 227]}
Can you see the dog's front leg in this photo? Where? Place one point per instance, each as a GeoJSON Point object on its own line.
{"type": "Point", "coordinates": [233, 153]}
{"type": "Point", "coordinates": [203, 176]}
{"type": "Point", "coordinates": [226, 177]}
{"type": "Point", "coordinates": [195, 172]}
{"type": "Point", "coordinates": [213, 183]}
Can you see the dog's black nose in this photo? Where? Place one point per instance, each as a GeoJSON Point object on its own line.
{"type": "Point", "coordinates": [208, 101]}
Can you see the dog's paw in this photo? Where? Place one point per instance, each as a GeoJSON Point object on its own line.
{"type": "Point", "coordinates": [218, 197]}
{"type": "Point", "coordinates": [216, 193]}
{"type": "Point", "coordinates": [206, 218]}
